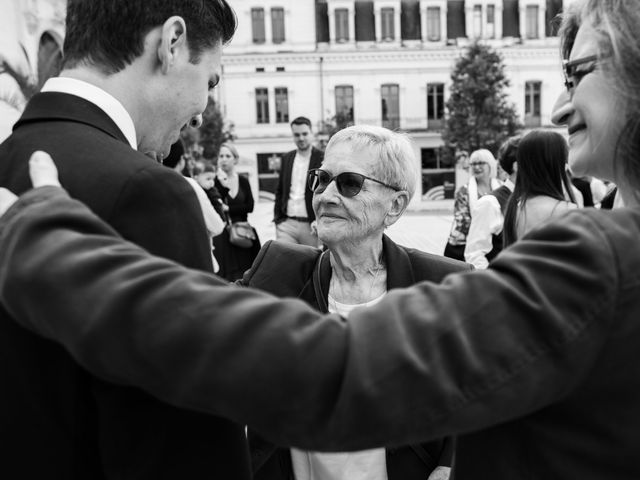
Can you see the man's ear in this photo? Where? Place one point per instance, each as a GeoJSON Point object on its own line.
{"type": "Point", "coordinates": [173, 41]}
{"type": "Point", "coordinates": [399, 203]}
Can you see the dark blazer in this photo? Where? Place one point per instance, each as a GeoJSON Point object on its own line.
{"type": "Point", "coordinates": [284, 185]}
{"type": "Point", "coordinates": [56, 420]}
{"type": "Point", "coordinates": [290, 270]}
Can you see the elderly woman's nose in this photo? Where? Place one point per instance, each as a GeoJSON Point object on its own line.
{"type": "Point", "coordinates": [562, 109]}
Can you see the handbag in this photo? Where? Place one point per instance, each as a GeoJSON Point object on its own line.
{"type": "Point", "coordinates": [241, 234]}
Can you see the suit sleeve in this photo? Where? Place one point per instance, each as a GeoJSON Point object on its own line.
{"type": "Point", "coordinates": [453, 359]}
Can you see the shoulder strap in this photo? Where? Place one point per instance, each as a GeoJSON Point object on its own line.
{"type": "Point", "coordinates": [321, 298]}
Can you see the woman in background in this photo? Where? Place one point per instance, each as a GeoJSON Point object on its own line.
{"type": "Point", "coordinates": [543, 190]}
{"type": "Point", "coordinates": [483, 179]}
{"type": "Point", "coordinates": [238, 199]}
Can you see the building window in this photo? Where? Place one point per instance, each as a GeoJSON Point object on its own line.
{"type": "Point", "coordinates": [262, 105]}
{"type": "Point", "coordinates": [282, 105]}
{"type": "Point", "coordinates": [477, 21]}
{"type": "Point", "coordinates": [491, 21]}
{"type": "Point", "coordinates": [390, 106]}
{"type": "Point", "coordinates": [277, 24]}
{"type": "Point", "coordinates": [532, 104]}
{"type": "Point", "coordinates": [531, 25]}
{"type": "Point", "coordinates": [435, 105]}
{"type": "Point", "coordinates": [433, 24]}
{"type": "Point", "coordinates": [344, 104]}
{"type": "Point", "coordinates": [342, 25]}
{"type": "Point", "coordinates": [387, 24]}
{"type": "Point", "coordinates": [257, 25]}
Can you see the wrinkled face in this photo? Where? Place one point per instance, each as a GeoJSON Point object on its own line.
{"type": "Point", "coordinates": [351, 219]}
{"type": "Point", "coordinates": [226, 160]}
{"type": "Point", "coordinates": [182, 99]}
{"type": "Point", "coordinates": [591, 113]}
{"type": "Point", "coordinates": [301, 136]}
{"type": "Point", "coordinates": [206, 179]}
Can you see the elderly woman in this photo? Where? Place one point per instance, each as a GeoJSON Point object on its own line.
{"type": "Point", "coordinates": [531, 362]}
{"type": "Point", "coordinates": [365, 184]}
{"type": "Point", "coordinates": [483, 179]}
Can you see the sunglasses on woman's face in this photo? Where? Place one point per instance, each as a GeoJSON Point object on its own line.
{"type": "Point", "coordinates": [349, 184]}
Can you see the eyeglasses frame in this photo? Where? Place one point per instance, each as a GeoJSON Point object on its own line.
{"type": "Point", "coordinates": [568, 67]}
{"type": "Point", "coordinates": [313, 170]}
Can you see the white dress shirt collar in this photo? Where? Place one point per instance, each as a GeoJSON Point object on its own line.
{"type": "Point", "coordinates": [106, 102]}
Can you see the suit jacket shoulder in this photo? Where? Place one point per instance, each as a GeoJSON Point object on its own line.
{"type": "Point", "coordinates": [282, 268]}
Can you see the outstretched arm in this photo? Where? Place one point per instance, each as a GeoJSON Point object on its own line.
{"type": "Point", "coordinates": [482, 348]}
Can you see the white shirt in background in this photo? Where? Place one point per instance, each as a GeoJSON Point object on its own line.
{"type": "Point", "coordinates": [296, 207]}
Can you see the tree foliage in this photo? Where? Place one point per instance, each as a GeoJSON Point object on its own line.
{"type": "Point", "coordinates": [206, 140]}
{"type": "Point", "coordinates": [479, 114]}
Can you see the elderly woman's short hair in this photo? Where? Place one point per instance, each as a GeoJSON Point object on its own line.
{"type": "Point", "coordinates": [397, 164]}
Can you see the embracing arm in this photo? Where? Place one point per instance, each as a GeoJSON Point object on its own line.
{"type": "Point", "coordinates": [426, 361]}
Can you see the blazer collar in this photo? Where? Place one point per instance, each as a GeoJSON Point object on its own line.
{"type": "Point", "coordinates": [50, 106]}
{"type": "Point", "coordinates": [399, 268]}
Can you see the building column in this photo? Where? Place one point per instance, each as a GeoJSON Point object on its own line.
{"type": "Point", "coordinates": [423, 22]}
{"type": "Point", "coordinates": [498, 20]}
{"type": "Point", "coordinates": [397, 32]}
{"type": "Point", "coordinates": [331, 12]}
{"type": "Point", "coordinates": [443, 23]}
{"type": "Point", "coordinates": [352, 23]}
{"type": "Point", "coordinates": [377, 13]}
{"type": "Point", "coordinates": [268, 35]}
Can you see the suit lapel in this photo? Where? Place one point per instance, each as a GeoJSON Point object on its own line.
{"type": "Point", "coordinates": [399, 269]}
{"type": "Point", "coordinates": [52, 106]}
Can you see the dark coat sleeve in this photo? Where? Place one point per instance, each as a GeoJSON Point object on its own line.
{"type": "Point", "coordinates": [456, 358]}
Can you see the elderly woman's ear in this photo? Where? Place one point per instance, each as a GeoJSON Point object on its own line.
{"type": "Point", "coordinates": [399, 203]}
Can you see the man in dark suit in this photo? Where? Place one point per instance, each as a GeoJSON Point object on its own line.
{"type": "Point", "coordinates": [292, 212]}
{"type": "Point", "coordinates": [134, 73]}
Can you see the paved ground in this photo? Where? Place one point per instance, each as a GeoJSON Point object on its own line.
{"type": "Point", "coordinates": [424, 230]}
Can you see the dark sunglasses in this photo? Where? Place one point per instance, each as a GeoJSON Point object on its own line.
{"type": "Point", "coordinates": [349, 184]}
{"type": "Point", "coordinates": [575, 70]}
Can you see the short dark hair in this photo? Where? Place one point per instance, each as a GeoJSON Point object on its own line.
{"type": "Point", "coordinates": [301, 121]}
{"type": "Point", "coordinates": [109, 34]}
{"type": "Point", "coordinates": [507, 153]}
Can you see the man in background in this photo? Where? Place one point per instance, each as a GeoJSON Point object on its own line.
{"type": "Point", "coordinates": [292, 212]}
{"type": "Point", "coordinates": [133, 74]}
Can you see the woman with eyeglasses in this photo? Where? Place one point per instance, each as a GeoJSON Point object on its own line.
{"type": "Point", "coordinates": [366, 181]}
{"type": "Point", "coordinates": [532, 362]}
{"type": "Point", "coordinates": [483, 179]}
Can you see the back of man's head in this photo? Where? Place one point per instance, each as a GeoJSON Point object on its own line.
{"type": "Point", "coordinates": [301, 121]}
{"type": "Point", "coordinates": [109, 34]}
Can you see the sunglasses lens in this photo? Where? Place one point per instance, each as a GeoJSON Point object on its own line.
{"type": "Point", "coordinates": [318, 180]}
{"type": "Point", "coordinates": [349, 184]}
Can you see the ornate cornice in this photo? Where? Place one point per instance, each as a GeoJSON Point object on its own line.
{"type": "Point", "coordinates": [387, 56]}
